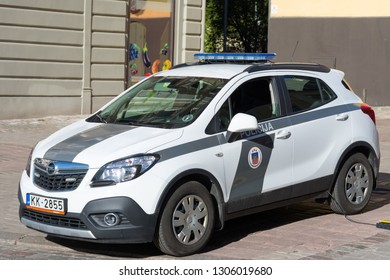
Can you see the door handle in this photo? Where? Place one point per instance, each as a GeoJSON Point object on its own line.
{"type": "Point", "coordinates": [342, 117]}
{"type": "Point", "coordinates": [283, 134]}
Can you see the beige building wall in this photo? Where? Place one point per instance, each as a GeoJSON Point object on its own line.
{"type": "Point", "coordinates": [350, 35]}
{"type": "Point", "coordinates": [189, 29]}
{"type": "Point", "coordinates": [107, 35]}
{"type": "Point", "coordinates": [329, 8]}
{"type": "Point", "coordinates": [41, 56]}
{"type": "Point", "coordinates": [60, 57]}
{"type": "Point", "coordinates": [69, 57]}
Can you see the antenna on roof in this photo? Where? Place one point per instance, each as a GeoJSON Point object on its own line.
{"type": "Point", "coordinates": [293, 54]}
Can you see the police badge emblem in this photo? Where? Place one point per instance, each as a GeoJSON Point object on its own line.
{"type": "Point", "coordinates": [254, 157]}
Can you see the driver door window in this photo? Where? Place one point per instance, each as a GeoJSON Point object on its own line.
{"type": "Point", "coordinates": [255, 97]}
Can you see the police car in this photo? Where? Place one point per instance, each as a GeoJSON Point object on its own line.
{"type": "Point", "coordinates": [175, 156]}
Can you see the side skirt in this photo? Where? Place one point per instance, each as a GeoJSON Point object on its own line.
{"type": "Point", "coordinates": [278, 198]}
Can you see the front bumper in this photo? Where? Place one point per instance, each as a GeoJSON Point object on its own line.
{"type": "Point", "coordinates": [135, 225]}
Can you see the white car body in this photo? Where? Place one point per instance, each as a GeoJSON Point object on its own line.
{"type": "Point", "coordinates": [289, 157]}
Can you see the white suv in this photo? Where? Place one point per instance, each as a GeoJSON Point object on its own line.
{"type": "Point", "coordinates": [175, 156]}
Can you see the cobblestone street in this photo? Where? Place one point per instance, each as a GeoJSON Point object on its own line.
{"type": "Point", "coordinates": [299, 232]}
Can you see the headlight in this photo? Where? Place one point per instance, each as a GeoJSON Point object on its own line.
{"type": "Point", "coordinates": [123, 170]}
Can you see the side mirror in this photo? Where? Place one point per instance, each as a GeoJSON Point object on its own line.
{"type": "Point", "coordinates": [240, 123]}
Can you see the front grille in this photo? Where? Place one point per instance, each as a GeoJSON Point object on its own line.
{"type": "Point", "coordinates": [60, 182]}
{"type": "Point", "coordinates": [54, 220]}
{"type": "Point", "coordinates": [58, 175]}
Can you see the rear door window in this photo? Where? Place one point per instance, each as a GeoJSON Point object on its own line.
{"type": "Point", "coordinates": [307, 92]}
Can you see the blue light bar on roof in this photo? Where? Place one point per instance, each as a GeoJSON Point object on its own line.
{"type": "Point", "coordinates": [235, 56]}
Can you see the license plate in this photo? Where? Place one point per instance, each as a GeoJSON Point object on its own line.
{"type": "Point", "coordinates": [46, 204]}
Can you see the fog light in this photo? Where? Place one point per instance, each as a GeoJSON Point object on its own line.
{"type": "Point", "coordinates": [111, 219]}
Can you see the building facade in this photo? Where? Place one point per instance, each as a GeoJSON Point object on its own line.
{"type": "Point", "coordinates": [71, 57]}
{"type": "Point", "coordinates": [350, 35]}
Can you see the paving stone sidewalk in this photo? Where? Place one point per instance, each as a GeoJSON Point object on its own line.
{"type": "Point", "coordinates": [302, 231]}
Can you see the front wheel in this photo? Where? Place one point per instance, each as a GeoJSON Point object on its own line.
{"type": "Point", "coordinates": [353, 186]}
{"type": "Point", "coordinates": [187, 221]}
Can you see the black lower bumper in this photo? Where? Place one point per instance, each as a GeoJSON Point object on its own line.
{"type": "Point", "coordinates": [134, 226]}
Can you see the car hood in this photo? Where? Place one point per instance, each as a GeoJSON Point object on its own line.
{"type": "Point", "coordinates": [97, 144]}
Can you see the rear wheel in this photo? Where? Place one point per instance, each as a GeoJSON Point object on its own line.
{"type": "Point", "coordinates": [187, 221]}
{"type": "Point", "coordinates": [354, 186]}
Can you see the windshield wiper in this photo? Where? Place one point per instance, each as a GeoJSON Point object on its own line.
{"type": "Point", "coordinates": [143, 123]}
{"type": "Point", "coordinates": [101, 118]}
{"type": "Point", "coordinates": [96, 118]}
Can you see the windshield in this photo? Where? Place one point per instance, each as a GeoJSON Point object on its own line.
{"type": "Point", "coordinates": [166, 102]}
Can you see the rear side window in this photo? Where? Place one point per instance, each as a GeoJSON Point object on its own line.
{"type": "Point", "coordinates": [346, 85]}
{"type": "Point", "coordinates": [307, 92]}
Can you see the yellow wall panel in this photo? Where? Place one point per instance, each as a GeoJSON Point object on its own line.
{"type": "Point", "coordinates": [329, 8]}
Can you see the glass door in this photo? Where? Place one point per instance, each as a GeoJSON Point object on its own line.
{"type": "Point", "coordinates": [150, 38]}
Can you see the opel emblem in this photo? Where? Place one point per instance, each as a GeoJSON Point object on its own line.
{"type": "Point", "coordinates": [51, 169]}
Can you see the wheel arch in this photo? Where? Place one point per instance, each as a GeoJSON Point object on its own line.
{"type": "Point", "coordinates": [358, 147]}
{"type": "Point", "coordinates": [206, 179]}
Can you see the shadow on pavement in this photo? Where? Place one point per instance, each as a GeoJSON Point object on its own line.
{"type": "Point", "coordinates": [133, 251]}
{"type": "Point", "coordinates": [381, 194]}
{"type": "Point", "coordinates": [235, 229]}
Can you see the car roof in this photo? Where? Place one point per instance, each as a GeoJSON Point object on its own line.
{"type": "Point", "coordinates": [215, 70]}
{"type": "Point", "coordinates": [229, 70]}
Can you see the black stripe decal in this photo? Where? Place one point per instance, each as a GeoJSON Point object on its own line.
{"type": "Point", "coordinates": [248, 182]}
{"type": "Point", "coordinates": [289, 120]}
{"type": "Point", "coordinates": [191, 147]}
{"type": "Point", "coordinates": [323, 113]}
{"type": "Point", "coordinates": [286, 121]}
{"type": "Point", "coordinates": [68, 149]}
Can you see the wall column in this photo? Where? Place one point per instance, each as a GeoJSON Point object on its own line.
{"type": "Point", "coordinates": [189, 29]}
{"type": "Point", "coordinates": [86, 94]}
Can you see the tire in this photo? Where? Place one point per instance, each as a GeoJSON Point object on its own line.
{"type": "Point", "coordinates": [187, 221]}
{"type": "Point", "coordinates": [354, 186]}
